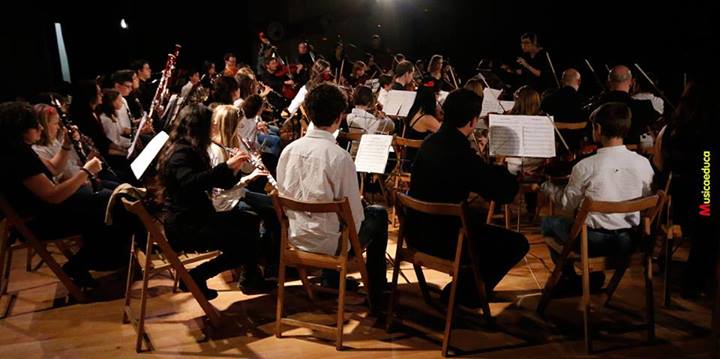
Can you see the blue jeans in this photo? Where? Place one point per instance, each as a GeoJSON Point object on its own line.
{"type": "Point", "coordinates": [600, 243]}
{"type": "Point", "coordinates": [271, 140]}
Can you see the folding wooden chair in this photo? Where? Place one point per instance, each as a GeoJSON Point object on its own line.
{"type": "Point", "coordinates": [291, 256]}
{"type": "Point", "coordinates": [150, 264]}
{"type": "Point", "coordinates": [420, 259]}
{"type": "Point", "coordinates": [650, 206]}
{"type": "Point", "coordinates": [13, 223]}
{"type": "Point", "coordinates": [400, 146]}
{"type": "Point", "coordinates": [672, 240]}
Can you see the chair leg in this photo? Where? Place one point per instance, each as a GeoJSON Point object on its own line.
{"type": "Point", "coordinates": [341, 308]}
{"type": "Point", "coordinates": [422, 283]}
{"type": "Point", "coordinates": [280, 298]}
{"type": "Point", "coordinates": [72, 288]}
{"type": "Point", "coordinates": [394, 295]}
{"type": "Point", "coordinates": [306, 283]}
{"type": "Point", "coordinates": [549, 287]}
{"type": "Point", "coordinates": [28, 259]}
{"type": "Point", "coordinates": [176, 281]}
{"type": "Point", "coordinates": [506, 208]}
{"type": "Point", "coordinates": [586, 307]}
{"type": "Point", "coordinates": [143, 305]}
{"type": "Point", "coordinates": [5, 263]}
{"type": "Point", "coordinates": [129, 282]}
{"type": "Point", "coordinates": [614, 282]}
{"type": "Point", "coordinates": [450, 314]}
{"type": "Point", "coordinates": [668, 266]}
{"type": "Point", "coordinates": [649, 300]}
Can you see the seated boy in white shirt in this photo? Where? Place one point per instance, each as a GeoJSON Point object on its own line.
{"type": "Point", "coordinates": [315, 169]}
{"type": "Point", "coordinates": [613, 174]}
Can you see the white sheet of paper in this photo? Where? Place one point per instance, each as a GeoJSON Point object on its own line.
{"type": "Point", "coordinates": [137, 135]}
{"type": "Point", "coordinates": [398, 102]}
{"type": "Point", "coordinates": [443, 96]}
{"type": "Point", "coordinates": [507, 105]}
{"type": "Point", "coordinates": [490, 102]}
{"type": "Point", "coordinates": [373, 152]}
{"type": "Point", "coordinates": [148, 154]}
{"type": "Point", "coordinates": [522, 136]}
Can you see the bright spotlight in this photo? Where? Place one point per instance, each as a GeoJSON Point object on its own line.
{"type": "Point", "coordinates": [123, 24]}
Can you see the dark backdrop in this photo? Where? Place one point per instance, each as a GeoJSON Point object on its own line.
{"type": "Point", "coordinates": [668, 40]}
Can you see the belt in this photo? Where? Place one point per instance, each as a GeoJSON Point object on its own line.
{"type": "Point", "coordinates": [612, 231]}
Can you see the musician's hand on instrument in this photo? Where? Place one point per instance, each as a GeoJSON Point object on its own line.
{"type": "Point", "coordinates": [237, 160]}
{"type": "Point", "coordinates": [147, 128]}
{"type": "Point", "coordinates": [94, 166]}
{"type": "Point", "coordinates": [126, 131]}
{"type": "Point", "coordinates": [299, 67]}
{"type": "Point", "coordinates": [265, 91]}
{"type": "Point", "coordinates": [522, 62]}
{"type": "Point", "coordinates": [257, 173]}
{"type": "Point", "coordinates": [262, 126]}
{"type": "Point", "coordinates": [289, 82]}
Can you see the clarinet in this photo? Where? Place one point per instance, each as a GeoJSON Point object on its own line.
{"type": "Point", "coordinates": [77, 145]}
{"type": "Point", "coordinates": [256, 160]}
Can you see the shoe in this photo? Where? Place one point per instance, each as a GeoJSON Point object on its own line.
{"type": "Point", "coordinates": [81, 277]}
{"type": "Point", "coordinates": [201, 282]}
{"type": "Point", "coordinates": [350, 283]}
{"type": "Point", "coordinates": [252, 282]}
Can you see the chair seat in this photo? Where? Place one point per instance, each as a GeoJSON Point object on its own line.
{"type": "Point", "coordinates": [596, 264]}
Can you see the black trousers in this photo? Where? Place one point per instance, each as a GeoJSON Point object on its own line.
{"type": "Point", "coordinates": [497, 249]}
{"type": "Point", "coordinates": [104, 247]}
{"type": "Point", "coordinates": [234, 233]}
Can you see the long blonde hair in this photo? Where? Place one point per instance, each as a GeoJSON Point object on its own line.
{"type": "Point", "coordinates": [44, 113]}
{"type": "Point", "coordinates": [225, 123]}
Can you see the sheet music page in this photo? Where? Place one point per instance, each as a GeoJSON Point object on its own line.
{"type": "Point", "coordinates": [507, 105]}
{"type": "Point", "coordinates": [399, 102]}
{"type": "Point", "coordinates": [148, 154]}
{"type": "Point", "coordinates": [490, 101]}
{"type": "Point", "coordinates": [522, 136]}
{"type": "Point", "coordinates": [137, 135]}
{"type": "Point", "coordinates": [442, 97]}
{"type": "Point", "coordinates": [372, 154]}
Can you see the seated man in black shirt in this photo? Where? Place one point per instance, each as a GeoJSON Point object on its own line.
{"type": "Point", "coordinates": [620, 81]}
{"type": "Point", "coordinates": [403, 75]}
{"type": "Point", "coordinates": [446, 170]}
{"type": "Point", "coordinates": [565, 105]}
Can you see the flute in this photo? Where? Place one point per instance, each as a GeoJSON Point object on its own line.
{"type": "Point", "coordinates": [256, 161]}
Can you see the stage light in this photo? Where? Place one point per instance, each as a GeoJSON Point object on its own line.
{"type": "Point", "coordinates": [123, 24]}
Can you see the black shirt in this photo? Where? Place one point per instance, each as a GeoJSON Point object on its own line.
{"type": "Point", "coordinates": [446, 170]}
{"type": "Point", "coordinates": [565, 105]}
{"type": "Point", "coordinates": [643, 113]}
{"type": "Point", "coordinates": [20, 163]}
{"type": "Point", "coordinates": [539, 62]}
{"type": "Point", "coordinates": [275, 82]}
{"type": "Point", "coordinates": [188, 178]}
{"type": "Point", "coordinates": [397, 86]}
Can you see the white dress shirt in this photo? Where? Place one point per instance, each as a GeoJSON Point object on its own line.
{"type": "Point", "coordinates": [123, 114]}
{"type": "Point", "coordinates": [315, 169]}
{"type": "Point", "coordinates": [382, 96]}
{"type": "Point", "coordinates": [185, 91]}
{"type": "Point", "coordinates": [247, 128]}
{"type": "Point", "coordinates": [613, 174]}
{"type": "Point", "coordinates": [113, 131]}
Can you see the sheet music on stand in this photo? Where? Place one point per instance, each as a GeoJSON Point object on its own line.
{"type": "Point", "coordinates": [146, 157]}
{"type": "Point", "coordinates": [131, 150]}
{"type": "Point", "coordinates": [398, 102]}
{"type": "Point", "coordinates": [491, 103]}
{"type": "Point", "coordinates": [522, 136]}
{"type": "Point", "coordinates": [373, 153]}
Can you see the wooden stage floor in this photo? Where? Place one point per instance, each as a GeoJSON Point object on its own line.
{"type": "Point", "coordinates": [40, 324]}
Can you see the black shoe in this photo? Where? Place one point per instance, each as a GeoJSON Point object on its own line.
{"type": "Point", "coordinates": [210, 294]}
{"type": "Point", "coordinates": [252, 282]}
{"type": "Point", "coordinates": [81, 277]}
{"type": "Point", "coordinates": [350, 283]}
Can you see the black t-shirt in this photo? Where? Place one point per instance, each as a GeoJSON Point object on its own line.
{"type": "Point", "coordinates": [539, 62]}
{"type": "Point", "coordinates": [20, 163]}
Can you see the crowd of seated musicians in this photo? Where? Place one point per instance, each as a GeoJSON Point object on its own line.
{"type": "Point", "coordinates": [211, 198]}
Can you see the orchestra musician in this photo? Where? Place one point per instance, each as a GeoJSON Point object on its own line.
{"type": "Point", "coordinates": [314, 168]}
{"type": "Point", "coordinates": [276, 76]}
{"type": "Point", "coordinates": [613, 174]}
{"type": "Point", "coordinates": [403, 75]}
{"type": "Point", "coordinates": [231, 67]}
{"type": "Point", "coordinates": [191, 222]}
{"type": "Point", "coordinates": [448, 151]}
{"type": "Point", "coordinates": [56, 210]}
